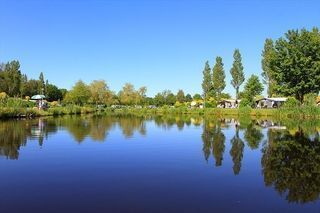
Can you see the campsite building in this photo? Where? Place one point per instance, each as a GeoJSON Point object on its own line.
{"type": "Point", "coordinates": [270, 102]}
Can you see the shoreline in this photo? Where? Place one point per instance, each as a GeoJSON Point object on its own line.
{"type": "Point", "coordinates": [294, 113]}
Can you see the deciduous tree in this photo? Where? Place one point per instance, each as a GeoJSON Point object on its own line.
{"type": "Point", "coordinates": [295, 63]}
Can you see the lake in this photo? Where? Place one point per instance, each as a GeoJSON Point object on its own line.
{"type": "Point", "coordinates": [159, 164]}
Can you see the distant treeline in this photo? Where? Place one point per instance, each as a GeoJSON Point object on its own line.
{"type": "Point", "coordinates": [291, 67]}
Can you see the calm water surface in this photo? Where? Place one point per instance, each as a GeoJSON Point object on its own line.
{"type": "Point", "coordinates": [159, 164]}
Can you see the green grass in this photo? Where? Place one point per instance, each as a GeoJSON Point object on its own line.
{"type": "Point", "coordinates": [22, 112]}
{"type": "Point", "coordinates": [310, 112]}
{"type": "Point", "coordinates": [300, 113]}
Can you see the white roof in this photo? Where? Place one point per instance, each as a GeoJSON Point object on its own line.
{"type": "Point", "coordinates": [231, 100]}
{"type": "Point", "coordinates": [274, 99]}
{"type": "Point", "coordinates": [277, 99]}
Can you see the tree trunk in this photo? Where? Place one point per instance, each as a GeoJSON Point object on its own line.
{"type": "Point", "coordinates": [237, 93]}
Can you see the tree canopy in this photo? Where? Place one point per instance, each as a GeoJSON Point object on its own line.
{"type": "Point", "coordinates": [252, 88]}
{"type": "Point", "coordinates": [295, 63]}
{"type": "Point", "coordinates": [218, 78]}
{"type": "Point", "coordinates": [237, 72]}
{"type": "Point", "coordinates": [207, 81]}
{"type": "Point", "coordinates": [79, 94]}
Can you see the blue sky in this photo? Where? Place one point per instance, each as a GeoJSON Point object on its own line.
{"type": "Point", "coordinates": [159, 44]}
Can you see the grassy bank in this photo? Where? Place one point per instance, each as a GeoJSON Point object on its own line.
{"type": "Point", "coordinates": [21, 112]}
{"type": "Point", "coordinates": [294, 113]}
{"type": "Point", "coordinates": [299, 113]}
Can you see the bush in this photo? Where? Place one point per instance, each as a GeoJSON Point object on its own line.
{"type": "Point", "coordinates": [178, 104]}
{"type": "Point", "coordinates": [310, 99]}
{"type": "Point", "coordinates": [245, 103]}
{"type": "Point", "coordinates": [3, 95]}
{"type": "Point", "coordinates": [291, 103]}
{"type": "Point", "coordinates": [16, 103]}
{"type": "Point", "coordinates": [211, 103]}
{"type": "Point", "coordinates": [54, 104]}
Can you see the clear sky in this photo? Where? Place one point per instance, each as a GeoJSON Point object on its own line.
{"type": "Point", "coordinates": [159, 44]}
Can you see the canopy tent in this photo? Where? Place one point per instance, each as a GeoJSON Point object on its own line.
{"type": "Point", "coordinates": [38, 97]}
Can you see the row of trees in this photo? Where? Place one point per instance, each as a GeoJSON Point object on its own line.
{"type": "Point", "coordinates": [98, 92]}
{"type": "Point", "coordinates": [16, 84]}
{"type": "Point", "coordinates": [214, 80]}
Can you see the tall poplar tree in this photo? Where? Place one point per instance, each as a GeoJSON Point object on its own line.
{"type": "Point", "coordinates": [237, 72]}
{"type": "Point", "coordinates": [267, 54]}
{"type": "Point", "coordinates": [41, 86]}
{"type": "Point", "coordinates": [206, 82]}
{"type": "Point", "coordinates": [218, 78]}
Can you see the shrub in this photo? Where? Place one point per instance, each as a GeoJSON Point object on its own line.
{"type": "Point", "coordinates": [54, 104]}
{"type": "Point", "coordinates": [245, 103]}
{"type": "Point", "coordinates": [3, 95]}
{"type": "Point", "coordinates": [291, 103]}
{"type": "Point", "coordinates": [178, 104]}
{"type": "Point", "coordinates": [310, 99]}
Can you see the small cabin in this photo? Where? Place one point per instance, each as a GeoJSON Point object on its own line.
{"type": "Point", "coordinates": [270, 102]}
{"type": "Point", "coordinates": [228, 103]}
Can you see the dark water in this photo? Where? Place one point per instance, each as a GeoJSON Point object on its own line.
{"type": "Point", "coordinates": [159, 164]}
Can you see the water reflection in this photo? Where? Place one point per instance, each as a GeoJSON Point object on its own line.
{"type": "Point", "coordinates": [290, 152]}
{"type": "Point", "coordinates": [291, 164]}
{"type": "Point", "coordinates": [237, 151]}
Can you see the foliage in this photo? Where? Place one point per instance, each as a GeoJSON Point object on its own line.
{"type": "Point", "coordinates": [165, 98]}
{"type": "Point", "coordinates": [207, 81]}
{"type": "Point", "coordinates": [129, 96]}
{"type": "Point", "coordinates": [54, 104]}
{"type": "Point", "coordinates": [237, 72]}
{"type": "Point", "coordinates": [245, 103]}
{"type": "Point", "coordinates": [79, 94]}
{"type": "Point", "coordinates": [225, 96]}
{"type": "Point", "coordinates": [142, 94]}
{"type": "Point", "coordinates": [10, 78]}
{"type": "Point", "coordinates": [3, 96]}
{"type": "Point", "coordinates": [180, 96]}
{"type": "Point", "coordinates": [218, 78]}
{"type": "Point", "coordinates": [310, 99]}
{"type": "Point", "coordinates": [53, 93]}
{"type": "Point", "coordinates": [252, 88]}
{"type": "Point", "coordinates": [295, 63]}
{"type": "Point", "coordinates": [197, 97]}
{"type": "Point", "coordinates": [30, 88]}
{"type": "Point", "coordinates": [188, 98]}
{"type": "Point", "coordinates": [267, 54]}
{"type": "Point", "coordinates": [41, 85]}
{"type": "Point", "coordinates": [159, 99]}
{"type": "Point", "coordinates": [100, 93]}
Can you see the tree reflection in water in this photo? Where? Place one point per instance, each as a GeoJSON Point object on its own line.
{"type": "Point", "coordinates": [253, 135]}
{"type": "Point", "coordinates": [291, 164]}
{"type": "Point", "coordinates": [213, 141]}
{"type": "Point", "coordinates": [236, 151]}
{"type": "Point", "coordinates": [14, 134]}
{"type": "Point", "coordinates": [290, 157]}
